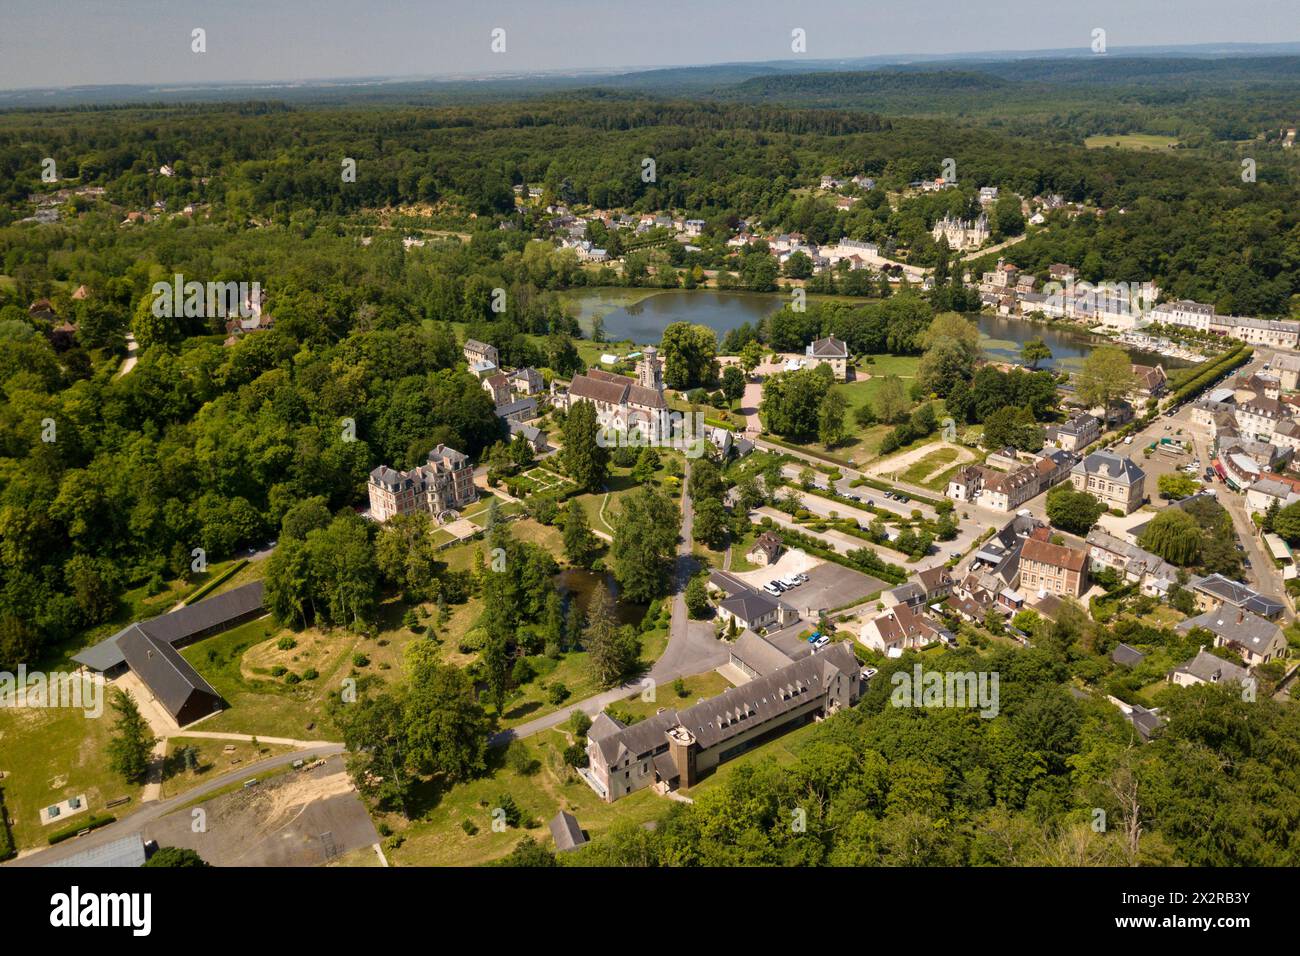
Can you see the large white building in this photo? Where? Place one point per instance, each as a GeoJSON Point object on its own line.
{"type": "Point", "coordinates": [962, 234]}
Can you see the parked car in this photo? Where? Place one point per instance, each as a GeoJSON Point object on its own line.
{"type": "Point", "coordinates": [774, 591]}
{"type": "Point", "coordinates": [776, 583]}
{"type": "Point", "coordinates": [790, 581]}
{"type": "Point", "coordinates": [869, 672]}
{"type": "Point", "coordinates": [821, 642]}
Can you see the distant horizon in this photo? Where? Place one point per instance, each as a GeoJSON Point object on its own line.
{"type": "Point", "coordinates": [863, 61]}
{"type": "Point", "coordinates": [80, 45]}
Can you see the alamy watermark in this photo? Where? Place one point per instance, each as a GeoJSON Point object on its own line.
{"type": "Point", "coordinates": [683, 431]}
{"type": "Point", "coordinates": [198, 300]}
{"type": "Point", "coordinates": [64, 689]}
{"type": "Point", "coordinates": [966, 689]}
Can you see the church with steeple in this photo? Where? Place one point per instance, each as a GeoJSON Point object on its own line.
{"type": "Point", "coordinates": [625, 404]}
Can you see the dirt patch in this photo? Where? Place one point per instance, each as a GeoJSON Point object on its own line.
{"type": "Point", "coordinates": [900, 463]}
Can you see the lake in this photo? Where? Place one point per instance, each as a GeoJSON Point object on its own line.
{"type": "Point", "coordinates": [641, 316]}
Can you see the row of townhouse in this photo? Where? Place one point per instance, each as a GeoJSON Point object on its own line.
{"type": "Point", "coordinates": [1204, 318]}
{"type": "Point", "coordinates": [1008, 490]}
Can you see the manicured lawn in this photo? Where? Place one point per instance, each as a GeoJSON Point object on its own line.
{"type": "Point", "coordinates": [50, 754]}
{"type": "Point", "coordinates": [706, 685]}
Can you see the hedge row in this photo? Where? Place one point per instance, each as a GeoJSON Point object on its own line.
{"type": "Point", "coordinates": [1222, 366]}
{"type": "Point", "coordinates": [216, 582]}
{"type": "Point", "coordinates": [863, 559]}
{"type": "Point", "coordinates": [90, 823]}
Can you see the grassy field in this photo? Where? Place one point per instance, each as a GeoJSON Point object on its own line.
{"type": "Point", "coordinates": [213, 759]}
{"type": "Point", "coordinates": [437, 837]}
{"type": "Point", "coordinates": [865, 442]}
{"type": "Point", "coordinates": [919, 471]}
{"type": "Point", "coordinates": [1142, 141]}
{"type": "Point", "coordinates": [706, 685]}
{"type": "Point", "coordinates": [50, 754]}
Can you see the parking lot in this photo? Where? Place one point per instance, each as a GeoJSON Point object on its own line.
{"type": "Point", "coordinates": [830, 586]}
{"type": "Point", "coordinates": [302, 818]}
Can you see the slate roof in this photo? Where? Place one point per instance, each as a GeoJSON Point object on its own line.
{"type": "Point", "coordinates": [1210, 669]}
{"type": "Point", "coordinates": [748, 605]}
{"type": "Point", "coordinates": [568, 835]}
{"type": "Point", "coordinates": [1128, 656]}
{"type": "Point", "coordinates": [1237, 594]}
{"type": "Point", "coordinates": [178, 625]}
{"type": "Point", "coordinates": [1235, 626]}
{"type": "Point", "coordinates": [167, 675]}
{"type": "Point", "coordinates": [829, 347]}
{"type": "Point", "coordinates": [761, 656]}
{"type": "Point", "coordinates": [737, 709]}
{"type": "Point", "coordinates": [1118, 468]}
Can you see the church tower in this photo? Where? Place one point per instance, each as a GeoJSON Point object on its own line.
{"type": "Point", "coordinates": [650, 370]}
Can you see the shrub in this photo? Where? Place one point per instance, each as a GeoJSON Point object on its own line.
{"type": "Point", "coordinates": [310, 674]}
{"type": "Point", "coordinates": [468, 826]}
{"type": "Point", "coordinates": [292, 678]}
{"type": "Point", "coordinates": [286, 643]}
{"type": "Point", "coordinates": [360, 660]}
{"type": "Point", "coordinates": [557, 693]}
{"type": "Point", "coordinates": [279, 670]}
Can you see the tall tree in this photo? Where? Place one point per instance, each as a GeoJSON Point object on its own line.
{"type": "Point", "coordinates": [131, 744]}
{"type": "Point", "coordinates": [1106, 377]}
{"type": "Point", "coordinates": [645, 539]}
{"type": "Point", "coordinates": [579, 541]}
{"type": "Point", "coordinates": [611, 650]}
{"type": "Point", "coordinates": [586, 458]}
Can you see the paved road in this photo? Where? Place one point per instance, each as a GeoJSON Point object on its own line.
{"type": "Point", "coordinates": [692, 649]}
{"type": "Point", "coordinates": [149, 812]}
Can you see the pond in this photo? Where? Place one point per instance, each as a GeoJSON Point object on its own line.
{"type": "Point", "coordinates": [641, 316]}
{"type": "Point", "coordinates": [580, 584]}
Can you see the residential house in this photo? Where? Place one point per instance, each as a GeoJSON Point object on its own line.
{"type": "Point", "coordinates": [531, 434]}
{"type": "Point", "coordinates": [899, 629]}
{"type": "Point", "coordinates": [1153, 575]}
{"type": "Point", "coordinates": [766, 550]}
{"type": "Point", "coordinates": [1213, 590]}
{"type": "Point", "coordinates": [1256, 639]}
{"type": "Point", "coordinates": [909, 594]}
{"type": "Point", "coordinates": [830, 351]}
{"type": "Point", "coordinates": [1080, 431]}
{"type": "Point", "coordinates": [1151, 380]}
{"type": "Point", "coordinates": [755, 610]}
{"type": "Point", "coordinates": [526, 381]}
{"type": "Point", "coordinates": [498, 386]}
{"type": "Point", "coordinates": [1206, 668]}
{"type": "Point", "coordinates": [1053, 568]}
{"type": "Point", "coordinates": [1114, 479]}
{"type": "Point", "coordinates": [476, 351]}
{"type": "Point", "coordinates": [937, 582]}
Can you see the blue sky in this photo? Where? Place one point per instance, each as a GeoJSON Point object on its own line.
{"type": "Point", "coordinates": [79, 42]}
